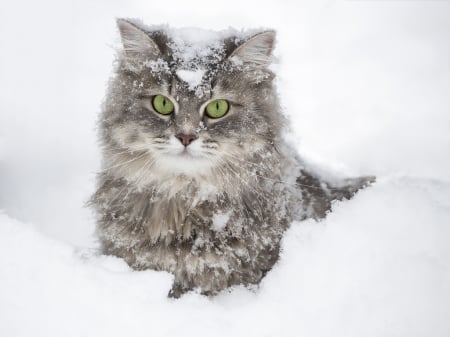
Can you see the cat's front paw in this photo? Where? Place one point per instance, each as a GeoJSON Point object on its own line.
{"type": "Point", "coordinates": [177, 291]}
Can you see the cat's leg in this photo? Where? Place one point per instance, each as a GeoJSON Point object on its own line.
{"type": "Point", "coordinates": [178, 290]}
{"type": "Point", "coordinates": [210, 281]}
{"type": "Point", "coordinates": [208, 272]}
{"type": "Point", "coordinates": [181, 284]}
{"type": "Point", "coordinates": [319, 194]}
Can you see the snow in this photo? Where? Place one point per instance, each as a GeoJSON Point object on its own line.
{"type": "Point", "coordinates": [219, 221]}
{"type": "Point", "coordinates": [192, 77]}
{"type": "Point", "coordinates": [366, 85]}
{"type": "Point", "coordinates": [157, 66]}
{"type": "Point", "coordinates": [372, 268]}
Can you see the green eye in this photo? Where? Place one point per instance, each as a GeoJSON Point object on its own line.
{"type": "Point", "coordinates": [217, 108]}
{"type": "Point", "coordinates": [162, 104]}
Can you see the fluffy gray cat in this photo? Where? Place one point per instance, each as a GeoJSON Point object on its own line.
{"type": "Point", "coordinates": [197, 179]}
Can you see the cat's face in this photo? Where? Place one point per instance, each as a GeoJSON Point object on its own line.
{"type": "Point", "coordinates": [191, 107]}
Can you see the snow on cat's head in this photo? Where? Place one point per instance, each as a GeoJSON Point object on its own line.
{"type": "Point", "coordinates": [189, 102]}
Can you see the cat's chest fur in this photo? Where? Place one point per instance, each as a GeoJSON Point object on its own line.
{"type": "Point", "coordinates": [188, 209]}
{"type": "Point", "coordinates": [214, 236]}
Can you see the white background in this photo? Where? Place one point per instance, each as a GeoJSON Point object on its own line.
{"type": "Point", "coordinates": [367, 87]}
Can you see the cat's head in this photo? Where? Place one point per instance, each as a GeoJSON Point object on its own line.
{"type": "Point", "coordinates": [191, 102]}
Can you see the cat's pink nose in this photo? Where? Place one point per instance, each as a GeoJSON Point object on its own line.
{"type": "Point", "coordinates": [186, 139]}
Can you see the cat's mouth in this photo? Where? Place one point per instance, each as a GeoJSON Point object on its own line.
{"type": "Point", "coordinates": [186, 153]}
{"type": "Point", "coordinates": [181, 154]}
{"type": "Point", "coordinates": [185, 161]}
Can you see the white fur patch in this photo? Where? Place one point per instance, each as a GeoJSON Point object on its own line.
{"type": "Point", "coordinates": [190, 160]}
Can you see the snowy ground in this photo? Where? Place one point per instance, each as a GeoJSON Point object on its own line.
{"type": "Point", "coordinates": [367, 86]}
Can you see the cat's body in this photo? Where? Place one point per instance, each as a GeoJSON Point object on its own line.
{"type": "Point", "coordinates": [206, 198]}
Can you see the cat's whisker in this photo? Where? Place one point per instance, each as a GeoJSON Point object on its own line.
{"type": "Point", "coordinates": [237, 182]}
{"type": "Point", "coordinates": [124, 163]}
{"type": "Point", "coordinates": [232, 170]}
{"type": "Point", "coordinates": [241, 161]}
{"type": "Point", "coordinates": [143, 170]}
{"type": "Point", "coordinates": [132, 151]}
{"type": "Point", "coordinates": [113, 152]}
{"type": "Point", "coordinates": [245, 182]}
{"type": "Point", "coordinates": [125, 188]}
{"type": "Point", "coordinates": [210, 147]}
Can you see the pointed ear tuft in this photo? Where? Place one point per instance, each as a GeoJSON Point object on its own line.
{"type": "Point", "coordinates": [136, 43]}
{"type": "Point", "coordinates": [256, 51]}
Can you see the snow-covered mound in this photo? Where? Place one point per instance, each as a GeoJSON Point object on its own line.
{"type": "Point", "coordinates": [366, 85]}
{"type": "Point", "coordinates": [377, 266]}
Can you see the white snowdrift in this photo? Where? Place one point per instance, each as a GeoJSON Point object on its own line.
{"type": "Point", "coordinates": [377, 266]}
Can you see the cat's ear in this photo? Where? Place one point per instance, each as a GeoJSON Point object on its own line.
{"type": "Point", "coordinates": [137, 45]}
{"type": "Point", "coordinates": [256, 51]}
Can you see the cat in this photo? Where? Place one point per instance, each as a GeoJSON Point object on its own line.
{"type": "Point", "coordinates": [196, 178]}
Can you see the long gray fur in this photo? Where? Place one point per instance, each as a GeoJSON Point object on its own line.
{"type": "Point", "coordinates": [213, 218]}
